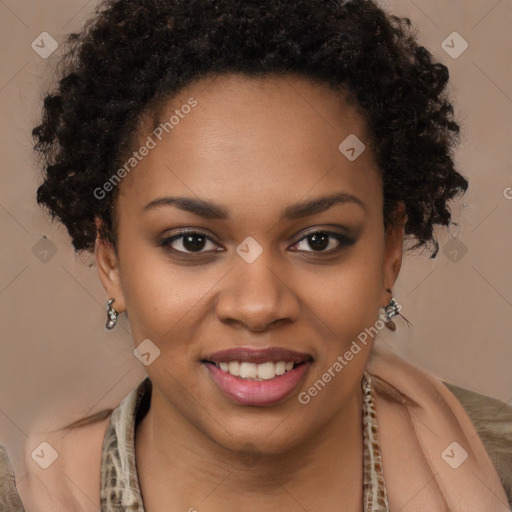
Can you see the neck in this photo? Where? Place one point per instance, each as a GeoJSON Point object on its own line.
{"type": "Point", "coordinates": [182, 466]}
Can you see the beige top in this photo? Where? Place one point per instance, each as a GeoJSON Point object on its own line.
{"type": "Point", "coordinates": [119, 485]}
{"type": "Point", "coordinates": [418, 419]}
{"type": "Point", "coordinates": [120, 489]}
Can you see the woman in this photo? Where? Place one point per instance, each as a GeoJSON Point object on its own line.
{"type": "Point", "coordinates": [246, 173]}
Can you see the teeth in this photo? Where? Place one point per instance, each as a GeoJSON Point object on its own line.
{"type": "Point", "coordinates": [234, 368]}
{"type": "Point", "coordinates": [266, 371]}
{"type": "Point", "coordinates": [280, 368]}
{"type": "Point", "coordinates": [253, 371]}
{"type": "Point", "coordinates": [248, 370]}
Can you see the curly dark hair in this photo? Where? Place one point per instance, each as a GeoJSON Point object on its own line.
{"type": "Point", "coordinates": [135, 54]}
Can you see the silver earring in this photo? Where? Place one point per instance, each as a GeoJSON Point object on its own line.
{"type": "Point", "coordinates": [390, 311]}
{"type": "Point", "coordinates": [111, 315]}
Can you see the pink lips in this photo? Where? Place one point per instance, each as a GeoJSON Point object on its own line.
{"type": "Point", "coordinates": [252, 392]}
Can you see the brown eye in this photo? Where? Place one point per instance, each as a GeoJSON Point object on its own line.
{"type": "Point", "coordinates": [319, 241]}
{"type": "Point", "coordinates": [187, 242]}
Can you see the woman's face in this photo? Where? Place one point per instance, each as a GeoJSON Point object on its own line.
{"type": "Point", "coordinates": [253, 162]}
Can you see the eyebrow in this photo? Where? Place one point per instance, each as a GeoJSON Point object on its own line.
{"type": "Point", "coordinates": [209, 210]}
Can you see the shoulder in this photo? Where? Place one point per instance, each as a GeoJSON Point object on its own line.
{"type": "Point", "coordinates": [62, 469]}
{"type": "Point", "coordinates": [492, 420]}
{"type": "Point", "coordinates": [413, 404]}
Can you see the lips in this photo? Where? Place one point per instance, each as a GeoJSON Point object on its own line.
{"type": "Point", "coordinates": [248, 355]}
{"type": "Point", "coordinates": [257, 377]}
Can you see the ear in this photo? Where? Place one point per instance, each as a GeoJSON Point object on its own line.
{"type": "Point", "coordinates": [108, 270]}
{"type": "Point", "coordinates": [394, 239]}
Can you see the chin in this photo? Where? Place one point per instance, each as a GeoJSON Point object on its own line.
{"type": "Point", "coordinates": [270, 436]}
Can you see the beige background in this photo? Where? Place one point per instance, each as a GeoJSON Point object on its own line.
{"type": "Point", "coordinates": [56, 358]}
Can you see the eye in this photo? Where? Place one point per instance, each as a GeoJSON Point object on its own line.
{"type": "Point", "coordinates": [190, 241]}
{"type": "Point", "coordinates": [187, 242]}
{"type": "Point", "coordinates": [320, 240]}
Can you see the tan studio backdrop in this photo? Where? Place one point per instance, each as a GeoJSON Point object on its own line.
{"type": "Point", "coordinates": [57, 361]}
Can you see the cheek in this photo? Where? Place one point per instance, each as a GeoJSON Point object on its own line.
{"type": "Point", "coordinates": [163, 305]}
{"type": "Point", "coordinates": [345, 310]}
{"type": "Point", "coordinates": [159, 295]}
{"type": "Point", "coordinates": [351, 291]}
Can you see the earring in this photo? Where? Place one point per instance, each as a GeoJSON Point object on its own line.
{"type": "Point", "coordinates": [111, 315]}
{"type": "Point", "coordinates": [391, 310]}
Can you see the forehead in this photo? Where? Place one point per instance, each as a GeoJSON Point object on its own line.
{"type": "Point", "coordinates": [238, 140]}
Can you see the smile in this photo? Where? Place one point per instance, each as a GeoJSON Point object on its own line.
{"type": "Point", "coordinates": [253, 371]}
{"type": "Point", "coordinates": [257, 377]}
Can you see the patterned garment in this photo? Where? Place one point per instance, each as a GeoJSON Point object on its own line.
{"type": "Point", "coordinates": [119, 482]}
{"type": "Point", "coordinates": [9, 498]}
{"type": "Point", "coordinates": [375, 495]}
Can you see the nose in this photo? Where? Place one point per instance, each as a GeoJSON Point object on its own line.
{"type": "Point", "coordinates": [257, 296]}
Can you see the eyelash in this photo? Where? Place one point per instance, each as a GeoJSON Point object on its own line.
{"type": "Point", "coordinates": [344, 241]}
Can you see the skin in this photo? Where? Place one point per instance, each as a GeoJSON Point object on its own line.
{"type": "Point", "coordinates": [253, 146]}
